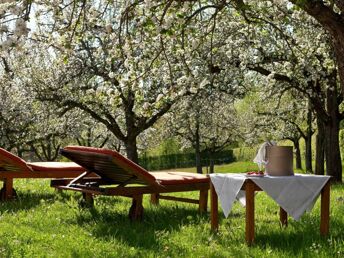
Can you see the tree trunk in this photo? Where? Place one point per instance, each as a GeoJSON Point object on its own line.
{"type": "Point", "coordinates": [211, 166]}
{"type": "Point", "coordinates": [197, 146]}
{"type": "Point", "coordinates": [131, 149]}
{"type": "Point", "coordinates": [332, 152]}
{"type": "Point", "coordinates": [298, 162]}
{"type": "Point", "coordinates": [20, 152]}
{"type": "Point", "coordinates": [320, 149]}
{"type": "Point", "coordinates": [333, 23]}
{"type": "Point", "coordinates": [198, 157]}
{"type": "Point", "coordinates": [332, 149]}
{"type": "Point", "coordinates": [89, 136]}
{"type": "Point", "coordinates": [308, 143]}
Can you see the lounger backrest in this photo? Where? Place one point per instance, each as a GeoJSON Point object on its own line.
{"type": "Point", "coordinates": [10, 162]}
{"type": "Point", "coordinates": [109, 165]}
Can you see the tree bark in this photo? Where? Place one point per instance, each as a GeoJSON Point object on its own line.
{"type": "Point", "coordinates": [332, 152]}
{"type": "Point", "coordinates": [131, 149]}
{"type": "Point", "coordinates": [308, 143]}
{"type": "Point", "coordinates": [320, 148]}
{"type": "Point", "coordinates": [298, 162]}
{"type": "Point", "coordinates": [332, 149]}
{"type": "Point", "coordinates": [211, 166]}
{"type": "Point", "coordinates": [197, 146]}
{"type": "Point", "coordinates": [198, 157]}
{"type": "Point", "coordinates": [198, 160]}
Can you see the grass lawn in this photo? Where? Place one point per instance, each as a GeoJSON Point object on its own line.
{"type": "Point", "coordinates": [44, 223]}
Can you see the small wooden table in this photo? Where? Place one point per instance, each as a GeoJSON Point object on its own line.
{"type": "Point", "coordinates": [250, 187]}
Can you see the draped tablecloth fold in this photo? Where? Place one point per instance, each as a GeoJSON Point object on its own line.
{"type": "Point", "coordinates": [295, 194]}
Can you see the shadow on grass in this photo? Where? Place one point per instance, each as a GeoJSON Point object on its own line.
{"type": "Point", "coordinates": [150, 233]}
{"type": "Point", "coordinates": [27, 200]}
{"type": "Point", "coordinates": [300, 237]}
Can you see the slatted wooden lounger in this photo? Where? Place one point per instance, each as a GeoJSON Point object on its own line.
{"type": "Point", "coordinates": [129, 179]}
{"type": "Point", "coordinates": [11, 166]}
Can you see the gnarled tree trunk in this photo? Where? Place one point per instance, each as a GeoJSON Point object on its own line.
{"type": "Point", "coordinates": [332, 149]}
{"type": "Point", "coordinates": [131, 149]}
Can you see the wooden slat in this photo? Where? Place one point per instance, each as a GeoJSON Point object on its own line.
{"type": "Point", "coordinates": [152, 189]}
{"type": "Point", "coordinates": [39, 174]}
{"type": "Point", "coordinates": [135, 190]}
{"type": "Point", "coordinates": [102, 164]}
{"type": "Point", "coordinates": [180, 199]}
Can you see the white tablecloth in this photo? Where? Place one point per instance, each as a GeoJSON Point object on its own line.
{"type": "Point", "coordinates": [295, 194]}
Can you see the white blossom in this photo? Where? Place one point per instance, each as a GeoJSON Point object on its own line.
{"type": "Point", "coordinates": [90, 91]}
{"type": "Point", "coordinates": [145, 105]}
{"type": "Point", "coordinates": [160, 96]}
{"type": "Point", "coordinates": [204, 83]}
{"type": "Point", "coordinates": [193, 90]}
{"type": "Point", "coordinates": [112, 75]}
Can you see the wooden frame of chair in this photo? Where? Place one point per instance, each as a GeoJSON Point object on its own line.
{"type": "Point", "coordinates": [127, 179]}
{"type": "Point", "coordinates": [13, 167]}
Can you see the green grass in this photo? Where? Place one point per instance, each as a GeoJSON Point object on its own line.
{"type": "Point", "coordinates": [44, 223]}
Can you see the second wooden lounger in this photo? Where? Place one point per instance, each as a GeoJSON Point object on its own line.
{"type": "Point", "coordinates": [123, 177]}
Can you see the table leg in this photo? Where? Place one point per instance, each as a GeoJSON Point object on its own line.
{"type": "Point", "coordinates": [249, 188]}
{"type": "Point", "coordinates": [325, 210]}
{"type": "Point", "coordinates": [283, 217]}
{"type": "Point", "coordinates": [214, 211]}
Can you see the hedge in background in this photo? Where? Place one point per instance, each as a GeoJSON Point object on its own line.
{"type": "Point", "coordinates": [184, 160]}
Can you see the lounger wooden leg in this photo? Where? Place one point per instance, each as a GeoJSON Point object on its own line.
{"type": "Point", "coordinates": [155, 199]}
{"type": "Point", "coordinates": [88, 201]}
{"type": "Point", "coordinates": [7, 192]}
{"type": "Point", "coordinates": [203, 200]}
{"type": "Point", "coordinates": [283, 217]}
{"type": "Point", "coordinates": [136, 209]}
{"type": "Point", "coordinates": [58, 190]}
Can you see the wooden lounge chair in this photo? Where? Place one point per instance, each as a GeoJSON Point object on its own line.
{"type": "Point", "coordinates": [128, 179]}
{"type": "Point", "coordinates": [11, 166]}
